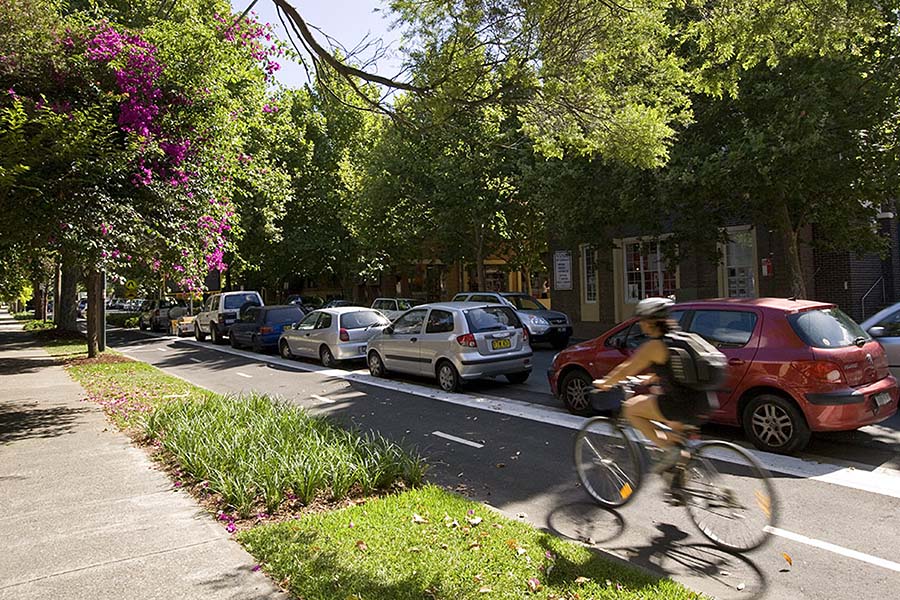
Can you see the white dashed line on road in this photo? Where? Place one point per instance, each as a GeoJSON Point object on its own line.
{"type": "Point", "coordinates": [861, 556]}
{"type": "Point", "coordinates": [458, 440]}
{"type": "Point", "coordinates": [163, 349]}
{"type": "Point", "coordinates": [322, 399]}
{"type": "Point", "coordinates": [196, 360]}
{"type": "Point", "coordinates": [239, 374]}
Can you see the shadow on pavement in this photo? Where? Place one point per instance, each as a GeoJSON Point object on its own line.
{"type": "Point", "coordinates": [726, 575]}
{"type": "Point", "coordinates": [586, 522]}
{"type": "Point", "coordinates": [32, 421]}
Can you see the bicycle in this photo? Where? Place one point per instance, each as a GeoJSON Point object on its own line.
{"type": "Point", "coordinates": [610, 465]}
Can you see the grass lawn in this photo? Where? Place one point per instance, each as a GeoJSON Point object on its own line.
{"type": "Point", "coordinates": [428, 543]}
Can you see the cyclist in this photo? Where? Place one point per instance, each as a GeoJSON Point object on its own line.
{"type": "Point", "coordinates": [668, 401]}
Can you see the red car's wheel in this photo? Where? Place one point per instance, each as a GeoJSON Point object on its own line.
{"type": "Point", "coordinates": [574, 391]}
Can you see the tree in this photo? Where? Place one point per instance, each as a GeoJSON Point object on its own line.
{"type": "Point", "coordinates": [142, 127]}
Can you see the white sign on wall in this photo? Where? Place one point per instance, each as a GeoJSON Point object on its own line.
{"type": "Point", "coordinates": [562, 270]}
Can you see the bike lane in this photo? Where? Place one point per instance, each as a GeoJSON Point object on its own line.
{"type": "Point", "coordinates": [524, 467]}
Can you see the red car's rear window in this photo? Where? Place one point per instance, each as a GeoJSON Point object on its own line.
{"type": "Point", "coordinates": [827, 328]}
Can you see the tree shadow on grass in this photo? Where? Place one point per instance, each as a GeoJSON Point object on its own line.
{"type": "Point", "coordinates": [21, 422]}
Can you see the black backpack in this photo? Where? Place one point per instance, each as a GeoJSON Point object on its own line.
{"type": "Point", "coordinates": [695, 363]}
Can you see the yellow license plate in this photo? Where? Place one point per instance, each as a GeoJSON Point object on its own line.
{"type": "Point", "coordinates": [501, 344]}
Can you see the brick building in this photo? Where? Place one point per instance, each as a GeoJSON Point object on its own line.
{"type": "Point", "coordinates": [599, 287]}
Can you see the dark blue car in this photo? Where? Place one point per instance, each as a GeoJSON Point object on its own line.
{"type": "Point", "coordinates": [261, 326]}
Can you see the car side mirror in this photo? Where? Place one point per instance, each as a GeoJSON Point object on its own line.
{"type": "Point", "coordinates": [877, 332]}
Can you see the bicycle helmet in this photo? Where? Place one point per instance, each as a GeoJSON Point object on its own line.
{"type": "Point", "coordinates": [653, 308]}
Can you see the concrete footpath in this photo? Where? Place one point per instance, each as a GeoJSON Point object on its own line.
{"type": "Point", "coordinates": [84, 514]}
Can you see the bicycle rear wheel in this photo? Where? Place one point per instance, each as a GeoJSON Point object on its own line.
{"type": "Point", "coordinates": [729, 495]}
{"type": "Point", "coordinates": [608, 462]}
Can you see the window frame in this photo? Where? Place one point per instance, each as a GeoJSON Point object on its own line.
{"type": "Point", "coordinates": [588, 277]}
{"type": "Point", "coordinates": [724, 287]}
{"type": "Point", "coordinates": [689, 325]}
{"type": "Point", "coordinates": [422, 311]}
{"type": "Point", "coordinates": [446, 312]}
{"type": "Point", "coordinates": [660, 273]}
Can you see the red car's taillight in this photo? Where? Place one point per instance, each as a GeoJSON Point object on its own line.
{"type": "Point", "coordinates": [345, 335]}
{"type": "Point", "coordinates": [823, 371]}
{"type": "Point", "coordinates": [467, 340]}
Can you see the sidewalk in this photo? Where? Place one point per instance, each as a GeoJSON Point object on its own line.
{"type": "Point", "coordinates": [83, 513]}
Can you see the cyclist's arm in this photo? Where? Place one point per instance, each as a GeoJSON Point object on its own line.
{"type": "Point", "coordinates": [648, 354]}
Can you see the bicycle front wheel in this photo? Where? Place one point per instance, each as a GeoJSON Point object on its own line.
{"type": "Point", "coordinates": [729, 495]}
{"type": "Point", "coordinates": [608, 462]}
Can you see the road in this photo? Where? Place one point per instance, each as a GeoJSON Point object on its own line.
{"type": "Point", "coordinates": [510, 446]}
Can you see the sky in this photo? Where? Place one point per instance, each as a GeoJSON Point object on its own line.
{"type": "Point", "coordinates": [347, 21]}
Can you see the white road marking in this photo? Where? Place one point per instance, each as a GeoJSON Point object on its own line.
{"type": "Point", "coordinates": [875, 482]}
{"type": "Point", "coordinates": [163, 349]}
{"type": "Point", "coordinates": [322, 399]}
{"type": "Point", "coordinates": [459, 440]}
{"type": "Point", "coordinates": [196, 360]}
{"type": "Point", "coordinates": [861, 556]}
{"type": "Point", "coordinates": [239, 374]}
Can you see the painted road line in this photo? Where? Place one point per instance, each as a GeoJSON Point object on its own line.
{"type": "Point", "coordinates": [163, 349]}
{"type": "Point", "coordinates": [458, 440]}
{"type": "Point", "coordinates": [196, 360]}
{"type": "Point", "coordinates": [886, 484]}
{"type": "Point", "coordinates": [861, 556]}
{"type": "Point", "coordinates": [322, 399]}
{"type": "Point", "coordinates": [239, 374]}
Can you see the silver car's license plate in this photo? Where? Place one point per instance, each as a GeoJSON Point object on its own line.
{"type": "Point", "coordinates": [882, 399]}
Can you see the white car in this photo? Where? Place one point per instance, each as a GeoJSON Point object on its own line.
{"type": "Point", "coordinates": [220, 312]}
{"type": "Point", "coordinates": [332, 334]}
{"type": "Point", "coordinates": [394, 307]}
{"type": "Point", "coordinates": [884, 326]}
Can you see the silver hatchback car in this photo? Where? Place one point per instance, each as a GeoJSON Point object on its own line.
{"type": "Point", "coordinates": [332, 334]}
{"type": "Point", "coordinates": [454, 342]}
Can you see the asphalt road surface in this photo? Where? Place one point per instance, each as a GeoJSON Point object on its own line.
{"type": "Point", "coordinates": [510, 446]}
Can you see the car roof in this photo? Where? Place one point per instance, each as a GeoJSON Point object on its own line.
{"type": "Point", "coordinates": [454, 305]}
{"type": "Point", "coordinates": [780, 304]}
{"type": "Point", "coordinates": [276, 306]}
{"type": "Point", "coordinates": [239, 292]}
{"type": "Point", "coordinates": [339, 310]}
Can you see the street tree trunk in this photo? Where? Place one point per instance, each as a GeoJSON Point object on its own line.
{"type": "Point", "coordinates": [67, 303]}
{"type": "Point", "coordinates": [40, 301]}
{"type": "Point", "coordinates": [57, 285]}
{"type": "Point", "coordinates": [791, 238]}
{"type": "Point", "coordinates": [95, 297]}
{"type": "Point", "coordinates": [479, 260]}
{"type": "Point", "coordinates": [526, 273]}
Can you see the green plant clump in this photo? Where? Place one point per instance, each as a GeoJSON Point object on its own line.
{"type": "Point", "coordinates": [37, 325]}
{"type": "Point", "coordinates": [253, 449]}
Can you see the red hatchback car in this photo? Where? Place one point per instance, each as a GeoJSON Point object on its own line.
{"type": "Point", "coordinates": [794, 367]}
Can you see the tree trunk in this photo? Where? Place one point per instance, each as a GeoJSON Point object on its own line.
{"type": "Point", "coordinates": [790, 237]}
{"type": "Point", "coordinates": [67, 303]}
{"type": "Point", "coordinates": [57, 286]}
{"type": "Point", "coordinates": [526, 273]}
{"type": "Point", "coordinates": [40, 302]}
{"type": "Point", "coordinates": [95, 297]}
{"type": "Point", "coordinates": [479, 261]}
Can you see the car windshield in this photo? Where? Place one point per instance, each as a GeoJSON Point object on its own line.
{"type": "Point", "coordinates": [525, 302]}
{"type": "Point", "coordinates": [491, 318]}
{"type": "Point", "coordinates": [827, 328]}
{"type": "Point", "coordinates": [238, 300]}
{"type": "Point", "coordinates": [408, 303]}
{"type": "Point", "coordinates": [290, 314]}
{"type": "Point", "coordinates": [362, 319]}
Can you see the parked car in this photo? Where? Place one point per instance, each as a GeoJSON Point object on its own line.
{"type": "Point", "coordinates": [394, 307]}
{"type": "Point", "coordinates": [157, 314]}
{"type": "Point", "coordinates": [220, 312]}
{"type": "Point", "coordinates": [260, 327]}
{"type": "Point", "coordinates": [884, 326]}
{"type": "Point", "coordinates": [543, 325]}
{"type": "Point", "coordinates": [794, 367]}
{"type": "Point", "coordinates": [307, 302]}
{"type": "Point", "coordinates": [454, 342]}
{"type": "Point", "coordinates": [332, 334]}
{"type": "Point", "coordinates": [134, 305]}
{"type": "Point", "coordinates": [115, 303]}
{"type": "Point", "coordinates": [82, 306]}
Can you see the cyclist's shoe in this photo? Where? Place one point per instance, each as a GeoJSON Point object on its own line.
{"type": "Point", "coordinates": [672, 457]}
{"type": "Point", "coordinates": [674, 479]}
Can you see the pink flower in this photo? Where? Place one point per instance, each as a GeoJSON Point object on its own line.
{"type": "Point", "coordinates": [230, 528]}
{"type": "Point", "coordinates": [256, 568]}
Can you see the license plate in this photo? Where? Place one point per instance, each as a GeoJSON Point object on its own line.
{"type": "Point", "coordinates": [882, 399]}
{"type": "Point", "coordinates": [501, 344]}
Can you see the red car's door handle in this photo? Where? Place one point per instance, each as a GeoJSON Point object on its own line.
{"type": "Point", "coordinates": [735, 361]}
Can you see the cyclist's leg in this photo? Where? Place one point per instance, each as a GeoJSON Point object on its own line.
{"type": "Point", "coordinates": [641, 411]}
